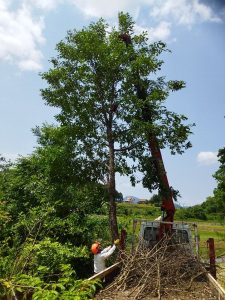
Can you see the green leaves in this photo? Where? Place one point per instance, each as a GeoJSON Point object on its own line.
{"type": "Point", "coordinates": [126, 23]}
{"type": "Point", "coordinates": [176, 85]}
{"type": "Point", "coordinates": [94, 82]}
{"type": "Point", "coordinates": [66, 288]}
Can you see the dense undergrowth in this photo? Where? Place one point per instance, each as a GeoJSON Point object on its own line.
{"type": "Point", "coordinates": [44, 255]}
{"type": "Point", "coordinates": [45, 251]}
{"type": "Point", "coordinates": [49, 221]}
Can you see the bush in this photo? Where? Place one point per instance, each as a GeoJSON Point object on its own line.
{"type": "Point", "coordinates": [195, 212]}
{"type": "Point", "coordinates": [67, 287]}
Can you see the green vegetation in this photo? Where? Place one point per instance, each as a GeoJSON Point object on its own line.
{"type": "Point", "coordinates": [55, 202]}
{"type": "Point", "coordinates": [144, 211]}
{"type": "Point", "coordinates": [221, 274]}
{"type": "Point", "coordinates": [45, 244]}
{"type": "Point", "coordinates": [110, 106]}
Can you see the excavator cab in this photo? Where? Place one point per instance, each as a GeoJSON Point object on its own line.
{"type": "Point", "coordinates": [150, 234]}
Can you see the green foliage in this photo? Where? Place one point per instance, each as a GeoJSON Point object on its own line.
{"type": "Point", "coordinates": [156, 200]}
{"type": "Point", "coordinates": [138, 210]}
{"type": "Point", "coordinates": [126, 23]}
{"type": "Point", "coordinates": [51, 176]}
{"type": "Point", "coordinates": [96, 81]}
{"type": "Point", "coordinates": [45, 225]}
{"type": "Point", "coordinates": [194, 212]}
{"type": "Point", "coordinates": [67, 287]}
{"type": "Point", "coordinates": [98, 228]}
{"type": "Point", "coordinates": [44, 258]}
{"type": "Point", "coordinates": [5, 217]}
{"type": "Point", "coordinates": [219, 192]}
{"type": "Point", "coordinates": [48, 268]}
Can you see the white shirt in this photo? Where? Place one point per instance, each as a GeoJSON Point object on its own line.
{"type": "Point", "coordinates": [99, 259]}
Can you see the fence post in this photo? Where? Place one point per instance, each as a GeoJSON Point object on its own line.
{"type": "Point", "coordinates": [212, 257]}
{"type": "Point", "coordinates": [123, 239]}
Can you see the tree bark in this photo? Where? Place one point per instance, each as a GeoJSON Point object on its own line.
{"type": "Point", "coordinates": [112, 189]}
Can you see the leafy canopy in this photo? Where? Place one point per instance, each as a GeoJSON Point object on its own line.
{"type": "Point", "coordinates": [93, 81]}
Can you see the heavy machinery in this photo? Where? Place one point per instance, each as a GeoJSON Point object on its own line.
{"type": "Point", "coordinates": [180, 233]}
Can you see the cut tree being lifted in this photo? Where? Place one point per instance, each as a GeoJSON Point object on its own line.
{"type": "Point", "coordinates": [167, 204]}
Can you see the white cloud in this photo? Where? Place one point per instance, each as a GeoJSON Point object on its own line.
{"type": "Point", "coordinates": [165, 12]}
{"type": "Point", "coordinates": [161, 32]}
{"type": "Point", "coordinates": [22, 26]}
{"type": "Point", "coordinates": [185, 12]}
{"type": "Point", "coordinates": [20, 37]}
{"type": "Point", "coordinates": [107, 9]}
{"type": "Point", "coordinates": [207, 158]}
{"type": "Point", "coordinates": [45, 5]}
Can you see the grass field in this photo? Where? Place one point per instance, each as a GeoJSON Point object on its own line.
{"type": "Point", "coordinates": [221, 274]}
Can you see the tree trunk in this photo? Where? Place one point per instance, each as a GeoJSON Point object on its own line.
{"type": "Point", "coordinates": [112, 192]}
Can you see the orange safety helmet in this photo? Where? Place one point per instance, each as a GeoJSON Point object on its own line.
{"type": "Point", "coordinates": [95, 247]}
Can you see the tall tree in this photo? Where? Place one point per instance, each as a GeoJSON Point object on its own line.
{"type": "Point", "coordinates": [93, 81]}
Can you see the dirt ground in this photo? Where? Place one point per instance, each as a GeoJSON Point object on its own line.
{"type": "Point", "coordinates": [199, 291]}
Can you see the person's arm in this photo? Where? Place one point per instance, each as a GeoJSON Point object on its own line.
{"type": "Point", "coordinates": [109, 252]}
{"type": "Point", "coordinates": [106, 249]}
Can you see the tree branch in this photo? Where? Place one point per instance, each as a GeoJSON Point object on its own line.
{"type": "Point", "coordinates": [125, 148]}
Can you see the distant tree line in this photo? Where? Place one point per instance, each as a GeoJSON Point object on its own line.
{"type": "Point", "coordinates": [214, 206]}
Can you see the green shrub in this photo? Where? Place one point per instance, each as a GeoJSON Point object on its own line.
{"type": "Point", "coordinates": [67, 287]}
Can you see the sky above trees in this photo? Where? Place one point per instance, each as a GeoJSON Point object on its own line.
{"type": "Point", "coordinates": [193, 30]}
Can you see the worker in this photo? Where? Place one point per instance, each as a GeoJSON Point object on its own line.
{"type": "Point", "coordinates": [101, 255]}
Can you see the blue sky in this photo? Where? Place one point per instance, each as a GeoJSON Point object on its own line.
{"type": "Point", "coordinates": [194, 31]}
